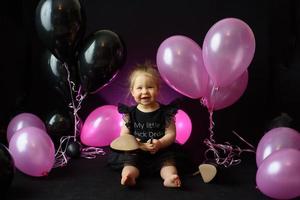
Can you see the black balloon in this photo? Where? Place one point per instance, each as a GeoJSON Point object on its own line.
{"type": "Point", "coordinates": [60, 25]}
{"type": "Point", "coordinates": [59, 123]}
{"type": "Point", "coordinates": [73, 149]}
{"type": "Point", "coordinates": [101, 57]}
{"type": "Point", "coordinates": [56, 76]}
{"type": "Point", "coordinates": [7, 169]}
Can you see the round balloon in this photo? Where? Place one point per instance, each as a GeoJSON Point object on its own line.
{"type": "Point", "coordinates": [278, 176]}
{"type": "Point", "coordinates": [275, 140]}
{"type": "Point", "coordinates": [73, 149]}
{"type": "Point", "coordinates": [59, 123]}
{"type": "Point", "coordinates": [55, 73]}
{"type": "Point", "coordinates": [33, 151]}
{"type": "Point", "coordinates": [60, 26]}
{"type": "Point", "coordinates": [102, 126]}
{"type": "Point", "coordinates": [23, 120]}
{"type": "Point", "coordinates": [101, 57]}
{"type": "Point", "coordinates": [183, 127]}
{"type": "Point", "coordinates": [228, 49]}
{"type": "Point", "coordinates": [224, 96]}
{"type": "Point", "coordinates": [180, 63]}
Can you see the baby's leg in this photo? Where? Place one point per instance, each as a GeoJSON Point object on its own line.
{"type": "Point", "coordinates": [170, 176]}
{"type": "Point", "coordinates": [129, 174]}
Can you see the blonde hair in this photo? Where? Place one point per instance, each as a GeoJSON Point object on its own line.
{"type": "Point", "coordinates": [147, 68]}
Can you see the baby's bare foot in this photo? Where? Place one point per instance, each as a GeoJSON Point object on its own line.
{"type": "Point", "coordinates": [172, 181]}
{"type": "Point", "coordinates": [128, 180]}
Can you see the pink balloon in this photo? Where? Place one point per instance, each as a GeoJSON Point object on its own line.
{"type": "Point", "coordinates": [33, 151]}
{"type": "Point", "coordinates": [275, 140]}
{"type": "Point", "coordinates": [24, 120]}
{"type": "Point", "coordinates": [279, 176]}
{"type": "Point", "coordinates": [180, 63]}
{"type": "Point", "coordinates": [225, 96]}
{"type": "Point", "coordinates": [228, 49]}
{"type": "Point", "coordinates": [183, 127]}
{"type": "Point", "coordinates": [102, 126]}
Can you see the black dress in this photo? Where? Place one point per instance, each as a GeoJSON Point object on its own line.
{"type": "Point", "coordinates": [146, 126]}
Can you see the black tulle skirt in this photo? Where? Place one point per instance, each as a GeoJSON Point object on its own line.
{"type": "Point", "coordinates": [148, 163]}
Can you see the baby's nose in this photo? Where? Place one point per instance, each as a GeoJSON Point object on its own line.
{"type": "Point", "coordinates": [144, 90]}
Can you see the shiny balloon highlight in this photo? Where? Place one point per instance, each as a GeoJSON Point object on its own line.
{"type": "Point", "coordinates": [279, 176]}
{"type": "Point", "coordinates": [276, 139]}
{"type": "Point", "coordinates": [183, 127]}
{"type": "Point", "coordinates": [101, 126]}
{"type": "Point", "coordinates": [33, 151]}
{"type": "Point", "coordinates": [23, 120]}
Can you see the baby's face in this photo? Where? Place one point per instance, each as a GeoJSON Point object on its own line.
{"type": "Point", "coordinates": [144, 89]}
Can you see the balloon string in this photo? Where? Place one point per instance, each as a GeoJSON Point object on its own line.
{"type": "Point", "coordinates": [61, 159]}
{"type": "Point", "coordinates": [223, 154]}
{"type": "Point", "coordinates": [211, 127]}
{"type": "Point", "coordinates": [75, 106]}
{"type": "Point", "coordinates": [91, 152]}
{"type": "Point", "coordinates": [250, 145]}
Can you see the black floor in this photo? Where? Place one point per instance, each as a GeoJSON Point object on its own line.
{"type": "Point", "coordinates": [92, 179]}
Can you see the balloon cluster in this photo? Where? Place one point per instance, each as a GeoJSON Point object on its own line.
{"type": "Point", "coordinates": [278, 162]}
{"type": "Point", "coordinates": [74, 66]}
{"type": "Point", "coordinates": [31, 147]}
{"type": "Point", "coordinates": [218, 74]}
{"type": "Point", "coordinates": [60, 26]}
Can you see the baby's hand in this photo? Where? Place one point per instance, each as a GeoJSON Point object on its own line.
{"type": "Point", "coordinates": [144, 146]}
{"type": "Point", "coordinates": [155, 146]}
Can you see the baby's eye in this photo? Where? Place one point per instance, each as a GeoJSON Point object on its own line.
{"type": "Point", "coordinates": [139, 88]}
